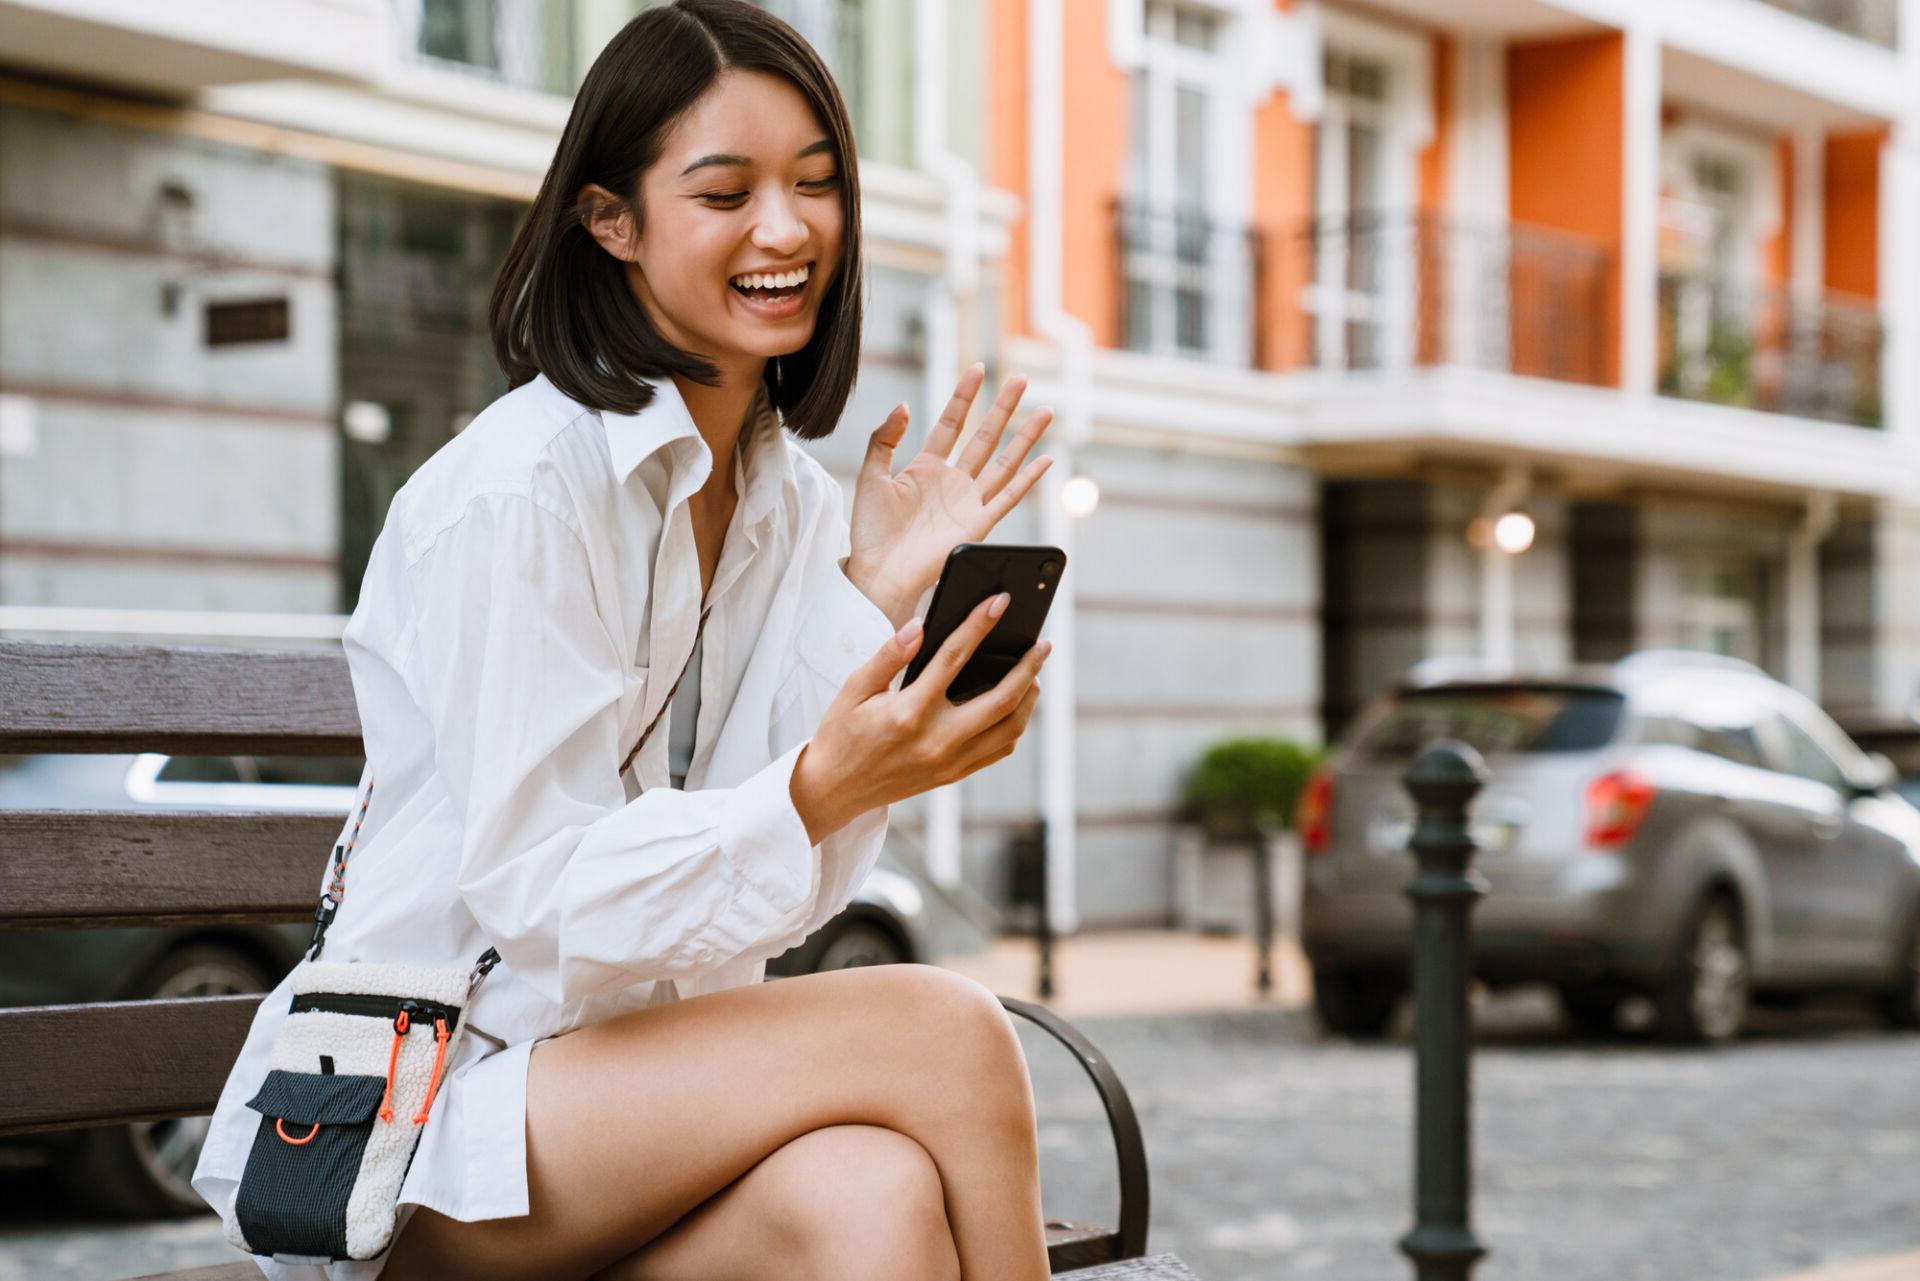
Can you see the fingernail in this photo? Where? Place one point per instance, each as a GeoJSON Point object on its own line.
{"type": "Point", "coordinates": [909, 634]}
{"type": "Point", "coordinates": [1046, 648]}
{"type": "Point", "coordinates": [999, 605]}
{"type": "Point", "coordinates": [900, 408]}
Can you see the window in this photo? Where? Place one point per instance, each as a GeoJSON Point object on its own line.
{"type": "Point", "coordinates": [1721, 608]}
{"type": "Point", "coordinates": [1494, 719]}
{"type": "Point", "coordinates": [1798, 754]}
{"type": "Point", "coordinates": [1187, 275]}
{"type": "Point", "coordinates": [1362, 245]}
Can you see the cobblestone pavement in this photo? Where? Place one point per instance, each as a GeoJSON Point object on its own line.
{"type": "Point", "coordinates": [1276, 1154]}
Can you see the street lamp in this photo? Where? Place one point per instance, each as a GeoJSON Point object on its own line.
{"type": "Point", "coordinates": [1080, 496]}
{"type": "Point", "coordinates": [1513, 533]}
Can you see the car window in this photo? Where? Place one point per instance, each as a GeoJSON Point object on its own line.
{"type": "Point", "coordinates": [1493, 719]}
{"type": "Point", "coordinates": [1799, 754]}
{"type": "Point", "coordinates": [336, 771]}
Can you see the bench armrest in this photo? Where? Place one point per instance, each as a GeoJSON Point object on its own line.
{"type": "Point", "coordinates": [1128, 1147]}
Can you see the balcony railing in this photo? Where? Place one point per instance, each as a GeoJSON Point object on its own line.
{"type": "Point", "coordinates": [1386, 291]}
{"type": "Point", "coordinates": [1187, 285]}
{"type": "Point", "coordinates": [1872, 20]}
{"type": "Point", "coordinates": [1770, 349]}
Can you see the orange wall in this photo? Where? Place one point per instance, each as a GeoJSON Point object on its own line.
{"type": "Point", "coordinates": [1006, 146]}
{"type": "Point", "coordinates": [1779, 250]}
{"type": "Point", "coordinates": [1095, 132]}
{"type": "Point", "coordinates": [1436, 162]}
{"type": "Point", "coordinates": [1853, 212]}
{"type": "Point", "coordinates": [1282, 207]}
{"type": "Point", "coordinates": [1566, 113]}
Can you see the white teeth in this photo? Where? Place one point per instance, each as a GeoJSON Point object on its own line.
{"type": "Point", "coordinates": [763, 280]}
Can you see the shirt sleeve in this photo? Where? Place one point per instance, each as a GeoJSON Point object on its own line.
{"type": "Point", "coordinates": [580, 890]}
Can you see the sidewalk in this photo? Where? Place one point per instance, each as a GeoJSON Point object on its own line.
{"type": "Point", "coordinates": [1140, 972]}
{"type": "Point", "coordinates": [1890, 1267]}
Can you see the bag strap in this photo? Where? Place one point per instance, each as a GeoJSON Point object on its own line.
{"type": "Point", "coordinates": [699, 631]}
{"type": "Point", "coordinates": [337, 885]}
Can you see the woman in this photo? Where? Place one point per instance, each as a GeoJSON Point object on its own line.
{"type": "Point", "coordinates": [628, 534]}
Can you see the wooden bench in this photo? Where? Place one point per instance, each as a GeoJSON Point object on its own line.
{"type": "Point", "coordinates": [70, 1066]}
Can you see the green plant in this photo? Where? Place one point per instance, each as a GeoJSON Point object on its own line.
{"type": "Point", "coordinates": [1242, 787]}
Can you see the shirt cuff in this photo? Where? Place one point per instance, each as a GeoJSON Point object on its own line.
{"type": "Point", "coordinates": [763, 833]}
{"type": "Point", "coordinates": [843, 629]}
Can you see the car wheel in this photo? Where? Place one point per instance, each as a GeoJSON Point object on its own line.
{"type": "Point", "coordinates": [1354, 1005]}
{"type": "Point", "coordinates": [852, 943]}
{"type": "Point", "coordinates": [1591, 1014]}
{"type": "Point", "coordinates": [1900, 999]}
{"type": "Point", "coordinates": [143, 1170]}
{"type": "Point", "coordinates": [1706, 996]}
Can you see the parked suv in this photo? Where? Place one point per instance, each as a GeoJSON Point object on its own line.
{"type": "Point", "coordinates": [1678, 826]}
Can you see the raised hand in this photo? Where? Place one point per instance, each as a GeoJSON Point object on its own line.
{"type": "Point", "coordinates": [904, 525]}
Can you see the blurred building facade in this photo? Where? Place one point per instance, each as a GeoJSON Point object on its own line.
{"type": "Point", "coordinates": [1318, 289]}
{"type": "Point", "coordinates": [1332, 287]}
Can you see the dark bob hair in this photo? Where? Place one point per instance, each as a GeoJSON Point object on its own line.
{"type": "Point", "coordinates": [561, 305]}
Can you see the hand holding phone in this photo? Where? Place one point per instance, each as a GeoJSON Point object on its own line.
{"type": "Point", "coordinates": [973, 573]}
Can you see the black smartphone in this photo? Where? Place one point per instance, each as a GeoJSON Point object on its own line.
{"type": "Point", "coordinates": [973, 572]}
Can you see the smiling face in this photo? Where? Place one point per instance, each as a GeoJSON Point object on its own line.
{"type": "Point", "coordinates": [743, 224]}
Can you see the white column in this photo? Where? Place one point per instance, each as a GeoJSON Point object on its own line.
{"type": "Point", "coordinates": [1479, 205]}
{"type": "Point", "coordinates": [1803, 595]}
{"type": "Point", "coordinates": [1807, 268]}
{"type": "Point", "coordinates": [1496, 608]}
{"type": "Point", "coordinates": [1046, 237]}
{"type": "Point", "coordinates": [1640, 212]}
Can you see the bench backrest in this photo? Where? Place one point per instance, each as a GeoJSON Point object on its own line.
{"type": "Point", "coordinates": [74, 1065]}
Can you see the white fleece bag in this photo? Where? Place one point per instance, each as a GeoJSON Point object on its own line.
{"type": "Point", "coordinates": [349, 1089]}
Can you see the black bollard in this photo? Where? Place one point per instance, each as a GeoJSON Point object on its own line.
{"type": "Point", "coordinates": [1443, 780]}
{"type": "Point", "coordinates": [1263, 910]}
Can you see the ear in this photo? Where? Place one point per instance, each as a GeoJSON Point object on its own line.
{"type": "Point", "coordinates": [609, 220]}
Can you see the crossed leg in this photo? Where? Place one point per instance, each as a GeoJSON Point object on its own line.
{"type": "Point", "coordinates": [665, 1115]}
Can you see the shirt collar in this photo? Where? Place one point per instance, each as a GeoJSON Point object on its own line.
{"type": "Point", "coordinates": [767, 466]}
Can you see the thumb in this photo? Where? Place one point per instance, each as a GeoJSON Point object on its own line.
{"type": "Point", "coordinates": [881, 444]}
{"type": "Point", "coordinates": [876, 674]}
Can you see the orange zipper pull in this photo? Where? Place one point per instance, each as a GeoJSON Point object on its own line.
{"type": "Point", "coordinates": [440, 1034]}
{"type": "Point", "coordinates": [400, 1023]}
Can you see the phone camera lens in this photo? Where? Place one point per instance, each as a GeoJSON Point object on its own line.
{"type": "Point", "coordinates": [1048, 568]}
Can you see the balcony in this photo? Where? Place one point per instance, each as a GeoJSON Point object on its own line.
{"type": "Point", "coordinates": [1383, 291]}
{"type": "Point", "coordinates": [1874, 21]}
{"type": "Point", "coordinates": [1770, 349]}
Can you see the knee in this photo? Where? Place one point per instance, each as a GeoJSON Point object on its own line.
{"type": "Point", "coordinates": [861, 1203]}
{"type": "Point", "coordinates": [964, 1032]}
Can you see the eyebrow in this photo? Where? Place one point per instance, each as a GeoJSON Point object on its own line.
{"type": "Point", "coordinates": [811, 149]}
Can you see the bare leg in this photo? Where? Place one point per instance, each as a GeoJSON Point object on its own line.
{"type": "Point", "coordinates": [635, 1122]}
{"type": "Point", "coordinates": [846, 1203]}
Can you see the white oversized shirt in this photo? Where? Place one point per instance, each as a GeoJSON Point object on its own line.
{"type": "Point", "coordinates": [526, 608]}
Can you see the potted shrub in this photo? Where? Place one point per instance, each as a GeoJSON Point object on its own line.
{"type": "Point", "coordinates": [1238, 800]}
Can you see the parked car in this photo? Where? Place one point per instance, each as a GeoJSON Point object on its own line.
{"type": "Point", "coordinates": [143, 1169]}
{"type": "Point", "coordinates": [1677, 826]}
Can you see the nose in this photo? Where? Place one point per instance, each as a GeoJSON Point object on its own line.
{"type": "Point", "coordinates": [780, 231]}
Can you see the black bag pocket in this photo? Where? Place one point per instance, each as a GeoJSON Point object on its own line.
{"type": "Point", "coordinates": [313, 1131]}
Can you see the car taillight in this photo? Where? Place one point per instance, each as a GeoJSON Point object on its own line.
{"type": "Point", "coordinates": [1617, 804]}
{"type": "Point", "coordinates": [1314, 817]}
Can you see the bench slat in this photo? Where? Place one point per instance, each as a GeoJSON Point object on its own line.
{"type": "Point", "coordinates": [175, 698]}
{"type": "Point", "coordinates": [74, 1065]}
{"type": "Point", "coordinates": [76, 869]}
